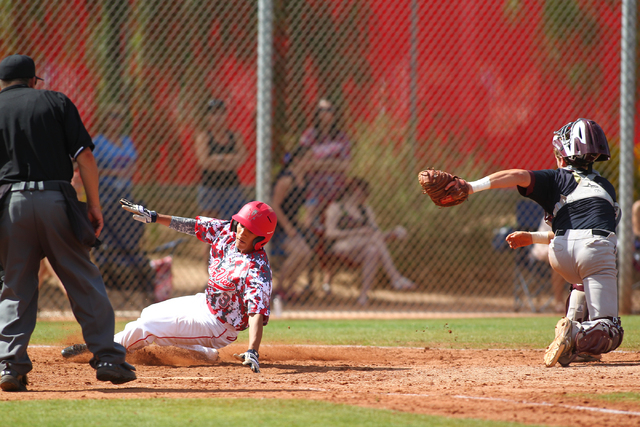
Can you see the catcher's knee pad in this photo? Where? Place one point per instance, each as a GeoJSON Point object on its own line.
{"type": "Point", "coordinates": [599, 336]}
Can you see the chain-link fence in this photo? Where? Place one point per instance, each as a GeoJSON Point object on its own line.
{"type": "Point", "coordinates": [366, 94]}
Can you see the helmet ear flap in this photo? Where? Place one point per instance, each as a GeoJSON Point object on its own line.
{"type": "Point", "coordinates": [257, 240]}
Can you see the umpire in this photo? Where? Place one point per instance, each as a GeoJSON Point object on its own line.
{"type": "Point", "coordinates": [40, 134]}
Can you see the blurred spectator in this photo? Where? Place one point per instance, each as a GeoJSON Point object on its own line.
{"type": "Point", "coordinates": [635, 221]}
{"type": "Point", "coordinates": [351, 231]}
{"type": "Point", "coordinates": [122, 261]}
{"type": "Point", "coordinates": [296, 240]}
{"type": "Point", "coordinates": [220, 152]}
{"type": "Point", "coordinates": [331, 150]}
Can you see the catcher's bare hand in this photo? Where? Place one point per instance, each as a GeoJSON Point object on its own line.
{"type": "Point", "coordinates": [140, 213]}
{"type": "Point", "coordinates": [443, 188]}
{"type": "Point", "coordinates": [519, 239]}
{"type": "Point", "coordinates": [249, 358]}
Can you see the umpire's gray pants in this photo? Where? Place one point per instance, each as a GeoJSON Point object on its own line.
{"type": "Point", "coordinates": [34, 224]}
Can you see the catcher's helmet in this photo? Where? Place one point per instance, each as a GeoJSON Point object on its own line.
{"type": "Point", "coordinates": [582, 142]}
{"type": "Point", "coordinates": [260, 219]}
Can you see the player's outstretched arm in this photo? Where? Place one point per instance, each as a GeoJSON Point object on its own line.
{"type": "Point", "coordinates": [142, 214]}
{"type": "Point", "coordinates": [502, 179]}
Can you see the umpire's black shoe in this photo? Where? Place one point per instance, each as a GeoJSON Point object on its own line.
{"type": "Point", "coordinates": [11, 381]}
{"type": "Point", "coordinates": [117, 374]}
{"type": "Point", "coordinates": [74, 350]}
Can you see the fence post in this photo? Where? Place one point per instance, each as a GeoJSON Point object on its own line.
{"type": "Point", "coordinates": [263, 108]}
{"type": "Point", "coordinates": [627, 122]}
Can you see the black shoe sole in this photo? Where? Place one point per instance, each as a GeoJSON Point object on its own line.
{"type": "Point", "coordinates": [116, 377]}
{"type": "Point", "coordinates": [12, 384]}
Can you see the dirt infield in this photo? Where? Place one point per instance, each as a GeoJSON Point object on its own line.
{"type": "Point", "coordinates": [508, 385]}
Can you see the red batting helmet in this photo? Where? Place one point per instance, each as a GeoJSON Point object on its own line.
{"type": "Point", "coordinates": [582, 142]}
{"type": "Point", "coordinates": [260, 219]}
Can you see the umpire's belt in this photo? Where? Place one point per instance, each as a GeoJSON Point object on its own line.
{"type": "Point", "coordinates": [594, 232]}
{"type": "Point", "coordinates": [38, 186]}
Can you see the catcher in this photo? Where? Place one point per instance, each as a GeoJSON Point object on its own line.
{"type": "Point", "coordinates": [237, 296]}
{"type": "Point", "coordinates": [582, 208]}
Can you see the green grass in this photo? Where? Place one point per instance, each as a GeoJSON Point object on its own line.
{"type": "Point", "coordinates": [521, 332]}
{"type": "Point", "coordinates": [218, 412]}
{"type": "Point", "coordinates": [630, 397]}
{"type": "Point", "coordinates": [518, 332]}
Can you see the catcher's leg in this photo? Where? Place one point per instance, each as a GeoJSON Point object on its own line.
{"type": "Point", "coordinates": [576, 304]}
{"type": "Point", "coordinates": [593, 338]}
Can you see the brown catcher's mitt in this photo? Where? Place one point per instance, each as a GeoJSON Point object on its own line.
{"type": "Point", "coordinates": [444, 189]}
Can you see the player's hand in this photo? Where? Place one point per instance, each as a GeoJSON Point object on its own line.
{"type": "Point", "coordinates": [249, 358]}
{"type": "Point", "coordinates": [140, 213]}
{"type": "Point", "coordinates": [518, 239]}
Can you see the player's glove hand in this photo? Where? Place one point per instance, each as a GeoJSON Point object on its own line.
{"type": "Point", "coordinates": [140, 213]}
{"type": "Point", "coordinates": [249, 358]}
{"type": "Point", "coordinates": [444, 188]}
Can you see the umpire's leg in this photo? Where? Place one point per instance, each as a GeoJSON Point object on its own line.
{"type": "Point", "coordinates": [80, 277]}
{"type": "Point", "coordinates": [20, 256]}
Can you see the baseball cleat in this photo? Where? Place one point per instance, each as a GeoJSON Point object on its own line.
{"type": "Point", "coordinates": [11, 381]}
{"type": "Point", "coordinates": [117, 374]}
{"type": "Point", "coordinates": [564, 360]}
{"type": "Point", "coordinates": [74, 350]}
{"type": "Point", "coordinates": [561, 344]}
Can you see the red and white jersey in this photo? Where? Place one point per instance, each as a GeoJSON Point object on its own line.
{"type": "Point", "coordinates": [239, 284]}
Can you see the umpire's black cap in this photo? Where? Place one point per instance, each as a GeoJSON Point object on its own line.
{"type": "Point", "coordinates": [17, 67]}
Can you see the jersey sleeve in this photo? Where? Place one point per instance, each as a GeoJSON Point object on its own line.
{"type": "Point", "coordinates": [542, 189]}
{"type": "Point", "coordinates": [77, 137]}
{"type": "Point", "coordinates": [257, 294]}
{"type": "Point", "coordinates": [209, 229]}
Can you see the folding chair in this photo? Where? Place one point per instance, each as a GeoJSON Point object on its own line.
{"type": "Point", "coordinates": [532, 281]}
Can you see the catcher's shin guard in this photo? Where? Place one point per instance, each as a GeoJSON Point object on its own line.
{"type": "Point", "coordinates": [599, 336]}
{"type": "Point", "coordinates": [576, 306]}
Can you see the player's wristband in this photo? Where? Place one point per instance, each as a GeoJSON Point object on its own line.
{"type": "Point", "coordinates": [481, 184]}
{"type": "Point", "coordinates": [541, 237]}
{"type": "Point", "coordinates": [255, 353]}
{"type": "Point", "coordinates": [154, 216]}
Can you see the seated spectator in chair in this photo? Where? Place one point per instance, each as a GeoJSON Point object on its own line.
{"type": "Point", "coordinates": [120, 258]}
{"type": "Point", "coordinates": [297, 241]}
{"type": "Point", "coordinates": [351, 232]}
{"type": "Point", "coordinates": [332, 156]}
{"type": "Point", "coordinates": [220, 152]}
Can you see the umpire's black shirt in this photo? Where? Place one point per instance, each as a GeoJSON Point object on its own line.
{"type": "Point", "coordinates": [40, 133]}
